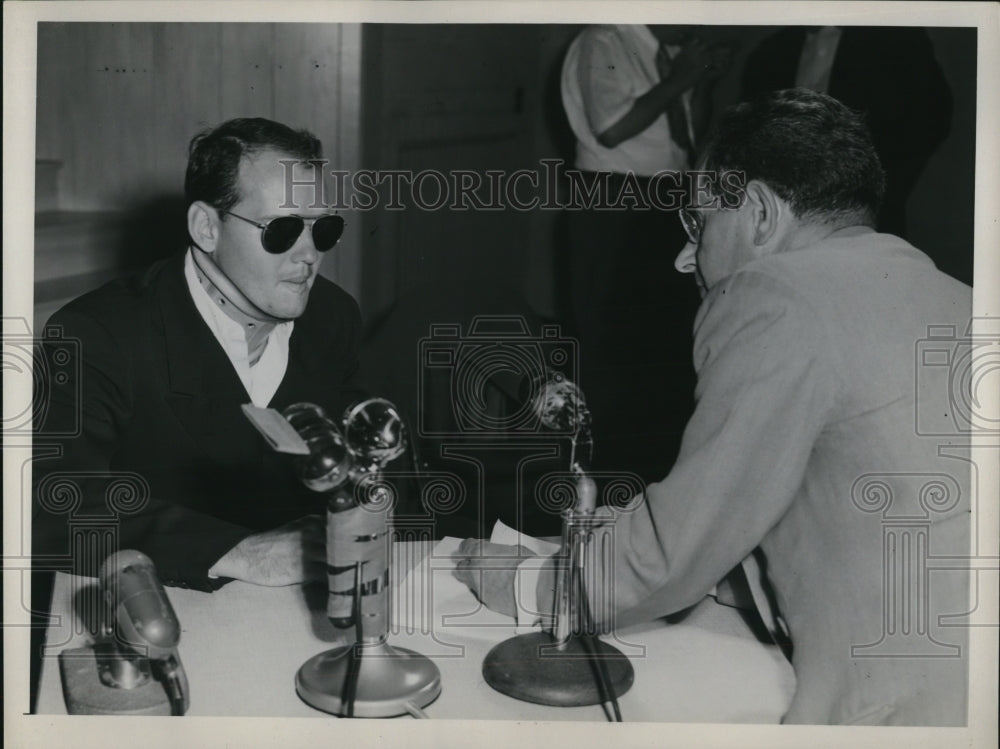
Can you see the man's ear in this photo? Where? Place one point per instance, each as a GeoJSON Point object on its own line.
{"type": "Point", "coordinates": [203, 225]}
{"type": "Point", "coordinates": [767, 212]}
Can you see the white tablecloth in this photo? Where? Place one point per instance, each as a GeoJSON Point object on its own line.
{"type": "Point", "coordinates": [242, 645]}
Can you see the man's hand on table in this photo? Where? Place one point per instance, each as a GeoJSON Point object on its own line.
{"type": "Point", "coordinates": [489, 570]}
{"type": "Point", "coordinates": [292, 554]}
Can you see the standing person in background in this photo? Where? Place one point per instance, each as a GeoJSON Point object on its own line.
{"type": "Point", "coordinates": [889, 74]}
{"type": "Point", "coordinates": [637, 99]}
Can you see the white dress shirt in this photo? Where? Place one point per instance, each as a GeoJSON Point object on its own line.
{"type": "Point", "coordinates": [818, 54]}
{"type": "Point", "coordinates": [606, 69]}
{"type": "Point", "coordinates": [262, 379]}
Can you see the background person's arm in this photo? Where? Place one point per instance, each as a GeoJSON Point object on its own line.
{"type": "Point", "coordinates": [686, 70]}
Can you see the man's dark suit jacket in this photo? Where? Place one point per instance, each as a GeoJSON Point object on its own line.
{"type": "Point", "coordinates": [891, 75]}
{"type": "Point", "coordinates": [165, 461]}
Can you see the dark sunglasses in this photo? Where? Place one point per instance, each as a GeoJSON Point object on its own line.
{"type": "Point", "coordinates": [279, 234]}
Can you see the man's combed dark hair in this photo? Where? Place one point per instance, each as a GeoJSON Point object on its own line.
{"type": "Point", "coordinates": [809, 148]}
{"type": "Point", "coordinates": [214, 156]}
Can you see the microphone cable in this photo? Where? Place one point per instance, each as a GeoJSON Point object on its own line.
{"type": "Point", "coordinates": [173, 684]}
{"type": "Point", "coordinates": [590, 641]}
{"type": "Point", "coordinates": [354, 665]}
{"type": "Point", "coordinates": [415, 711]}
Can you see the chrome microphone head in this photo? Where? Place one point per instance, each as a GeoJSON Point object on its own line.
{"type": "Point", "coordinates": [367, 678]}
{"type": "Point", "coordinates": [560, 404]}
{"type": "Point", "coordinates": [561, 407]}
{"type": "Point", "coordinates": [145, 618]}
{"type": "Point", "coordinates": [375, 431]}
{"type": "Point", "coordinates": [329, 462]}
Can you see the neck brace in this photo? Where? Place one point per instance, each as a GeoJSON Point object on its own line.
{"type": "Point", "coordinates": [256, 324]}
{"type": "Point", "coordinates": [226, 294]}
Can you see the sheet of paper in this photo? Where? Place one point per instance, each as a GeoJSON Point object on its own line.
{"type": "Point", "coordinates": [431, 600]}
{"type": "Point", "coordinates": [504, 534]}
{"type": "Point", "coordinates": [275, 429]}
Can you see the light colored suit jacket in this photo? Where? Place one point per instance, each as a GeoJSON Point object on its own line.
{"type": "Point", "coordinates": [813, 390]}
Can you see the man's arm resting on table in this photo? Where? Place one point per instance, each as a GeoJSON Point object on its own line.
{"type": "Point", "coordinates": [491, 570]}
{"type": "Point", "coordinates": [183, 542]}
{"type": "Point", "coordinates": [291, 554]}
{"type": "Point", "coordinates": [511, 580]}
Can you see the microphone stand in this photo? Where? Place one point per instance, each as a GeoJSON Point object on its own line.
{"type": "Point", "coordinates": [134, 667]}
{"type": "Point", "coordinates": [368, 678]}
{"type": "Point", "coordinates": [569, 666]}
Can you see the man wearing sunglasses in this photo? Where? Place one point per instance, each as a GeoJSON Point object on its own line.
{"type": "Point", "coordinates": [166, 359]}
{"type": "Point", "coordinates": [806, 440]}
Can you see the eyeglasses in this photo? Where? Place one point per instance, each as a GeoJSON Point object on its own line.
{"type": "Point", "coordinates": [279, 234]}
{"type": "Point", "coordinates": [692, 223]}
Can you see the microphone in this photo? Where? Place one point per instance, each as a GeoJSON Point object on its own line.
{"type": "Point", "coordinates": [146, 621]}
{"type": "Point", "coordinates": [357, 507]}
{"type": "Point", "coordinates": [146, 625]}
{"type": "Point", "coordinates": [569, 666]}
{"type": "Point", "coordinates": [138, 669]}
{"type": "Point", "coordinates": [560, 406]}
{"type": "Point", "coordinates": [368, 678]}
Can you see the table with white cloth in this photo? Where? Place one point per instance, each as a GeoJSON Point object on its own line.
{"type": "Point", "coordinates": [243, 644]}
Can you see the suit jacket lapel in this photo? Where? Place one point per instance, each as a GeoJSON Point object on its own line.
{"type": "Point", "coordinates": [204, 389]}
{"type": "Point", "coordinates": [304, 361]}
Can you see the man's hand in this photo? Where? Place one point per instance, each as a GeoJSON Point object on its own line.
{"type": "Point", "coordinates": [720, 60]}
{"type": "Point", "coordinates": [690, 65]}
{"type": "Point", "coordinates": [292, 554]}
{"type": "Point", "coordinates": [489, 570]}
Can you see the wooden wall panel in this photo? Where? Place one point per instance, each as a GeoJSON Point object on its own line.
{"type": "Point", "coordinates": [462, 97]}
{"type": "Point", "coordinates": [183, 54]}
{"type": "Point", "coordinates": [246, 75]}
{"type": "Point", "coordinates": [124, 95]}
{"type": "Point", "coordinates": [98, 81]}
{"type": "Point", "coordinates": [345, 265]}
{"type": "Point", "coordinates": [306, 62]}
{"type": "Point", "coordinates": [187, 85]}
{"type": "Point", "coordinates": [51, 80]}
{"type": "Point", "coordinates": [118, 103]}
{"type": "Point", "coordinates": [447, 248]}
{"type": "Point", "coordinates": [317, 86]}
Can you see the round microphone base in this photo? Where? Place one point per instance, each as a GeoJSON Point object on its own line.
{"type": "Point", "coordinates": [531, 668]}
{"type": "Point", "coordinates": [390, 681]}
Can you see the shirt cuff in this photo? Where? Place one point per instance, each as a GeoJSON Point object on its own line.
{"type": "Point", "coordinates": [528, 618]}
